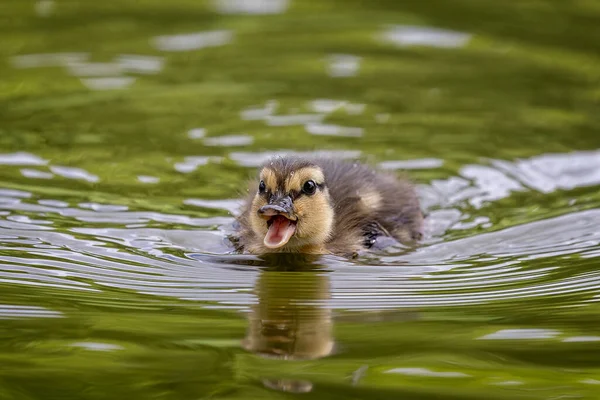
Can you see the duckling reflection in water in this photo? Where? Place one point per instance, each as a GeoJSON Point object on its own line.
{"type": "Point", "coordinates": [326, 206]}
{"type": "Point", "coordinates": [291, 320]}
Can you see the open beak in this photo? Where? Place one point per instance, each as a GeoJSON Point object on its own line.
{"type": "Point", "coordinates": [281, 222]}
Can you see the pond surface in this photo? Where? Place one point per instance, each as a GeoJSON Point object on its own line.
{"type": "Point", "coordinates": [128, 130]}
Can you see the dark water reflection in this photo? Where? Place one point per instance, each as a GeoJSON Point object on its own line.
{"type": "Point", "coordinates": [128, 130]}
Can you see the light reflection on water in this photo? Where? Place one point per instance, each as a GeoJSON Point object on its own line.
{"type": "Point", "coordinates": [192, 41]}
{"type": "Point", "coordinates": [13, 311]}
{"type": "Point", "coordinates": [425, 36]}
{"type": "Point", "coordinates": [253, 7]}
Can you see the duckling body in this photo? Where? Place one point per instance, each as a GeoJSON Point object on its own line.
{"type": "Point", "coordinates": [324, 206]}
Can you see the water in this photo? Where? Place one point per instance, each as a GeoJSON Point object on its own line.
{"type": "Point", "coordinates": [129, 128]}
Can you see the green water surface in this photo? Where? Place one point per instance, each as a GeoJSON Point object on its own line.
{"type": "Point", "coordinates": [116, 281]}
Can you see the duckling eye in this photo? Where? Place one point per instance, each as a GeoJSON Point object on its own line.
{"type": "Point", "coordinates": [309, 187]}
{"type": "Point", "coordinates": [262, 187]}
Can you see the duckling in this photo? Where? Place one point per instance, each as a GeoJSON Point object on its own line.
{"type": "Point", "coordinates": [325, 206]}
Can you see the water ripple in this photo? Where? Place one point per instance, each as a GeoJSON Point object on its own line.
{"type": "Point", "coordinates": [416, 281]}
{"type": "Point", "coordinates": [14, 311]}
{"type": "Point", "coordinates": [516, 262]}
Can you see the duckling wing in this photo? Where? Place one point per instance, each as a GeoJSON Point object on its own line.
{"type": "Point", "coordinates": [371, 232]}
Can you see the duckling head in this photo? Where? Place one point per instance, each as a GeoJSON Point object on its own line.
{"type": "Point", "coordinates": [292, 207]}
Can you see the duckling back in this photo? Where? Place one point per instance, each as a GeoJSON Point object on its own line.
{"type": "Point", "coordinates": [369, 204]}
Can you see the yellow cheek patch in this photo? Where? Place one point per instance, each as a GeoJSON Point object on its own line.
{"type": "Point", "coordinates": [258, 224]}
{"type": "Point", "coordinates": [315, 217]}
{"type": "Point", "coordinates": [294, 182]}
{"type": "Point", "coordinates": [301, 205]}
{"type": "Point", "coordinates": [258, 202]}
{"type": "Point", "coordinates": [270, 179]}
